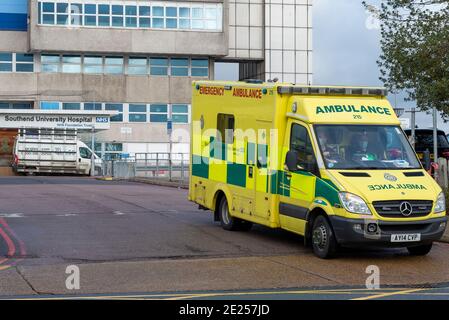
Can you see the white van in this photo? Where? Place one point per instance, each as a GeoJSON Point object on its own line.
{"type": "Point", "coordinates": [53, 151]}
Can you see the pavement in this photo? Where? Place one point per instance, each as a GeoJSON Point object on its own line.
{"type": "Point", "coordinates": [132, 239]}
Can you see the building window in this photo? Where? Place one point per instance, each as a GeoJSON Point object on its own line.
{"type": "Point", "coordinates": [50, 63]}
{"type": "Point", "coordinates": [93, 64]}
{"type": "Point", "coordinates": [158, 113]}
{"type": "Point", "coordinates": [104, 19]}
{"type": "Point", "coordinates": [16, 105]}
{"type": "Point", "coordinates": [180, 113]}
{"type": "Point", "coordinates": [49, 105]}
{"type": "Point", "coordinates": [113, 65]}
{"type": "Point", "coordinates": [179, 67]}
{"type": "Point", "coordinates": [117, 15]}
{"type": "Point", "coordinates": [137, 112]}
{"type": "Point", "coordinates": [5, 62]}
{"type": "Point", "coordinates": [89, 106]}
{"type": "Point", "coordinates": [200, 67]}
{"type": "Point", "coordinates": [71, 106]}
{"type": "Point", "coordinates": [120, 14]}
{"type": "Point", "coordinates": [118, 107]}
{"type": "Point", "coordinates": [158, 66]}
{"type": "Point", "coordinates": [24, 62]}
{"type": "Point", "coordinates": [138, 65]}
{"type": "Point", "coordinates": [71, 64]}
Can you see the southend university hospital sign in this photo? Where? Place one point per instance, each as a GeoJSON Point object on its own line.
{"type": "Point", "coordinates": [36, 118]}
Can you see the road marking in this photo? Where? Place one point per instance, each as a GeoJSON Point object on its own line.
{"type": "Point", "coordinates": [67, 215]}
{"type": "Point", "coordinates": [382, 295]}
{"type": "Point", "coordinates": [12, 215]}
{"type": "Point", "coordinates": [119, 213]}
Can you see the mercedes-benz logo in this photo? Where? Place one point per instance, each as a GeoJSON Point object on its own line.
{"type": "Point", "coordinates": [406, 209]}
{"type": "Point", "coordinates": [390, 177]}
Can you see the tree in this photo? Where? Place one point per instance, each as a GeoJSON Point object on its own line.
{"type": "Point", "coordinates": [415, 50]}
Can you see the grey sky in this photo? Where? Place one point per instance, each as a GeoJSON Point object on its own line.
{"type": "Point", "coordinates": [345, 50]}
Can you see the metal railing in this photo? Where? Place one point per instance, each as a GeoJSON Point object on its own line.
{"type": "Point", "coordinates": [161, 166]}
{"type": "Point", "coordinates": [153, 165]}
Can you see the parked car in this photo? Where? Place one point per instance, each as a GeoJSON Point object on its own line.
{"type": "Point", "coordinates": [424, 140]}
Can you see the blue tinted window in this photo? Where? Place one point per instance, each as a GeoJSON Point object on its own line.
{"type": "Point", "coordinates": [158, 118]}
{"type": "Point", "coordinates": [62, 19]}
{"type": "Point", "coordinates": [144, 10]}
{"type": "Point", "coordinates": [159, 61]}
{"type": "Point", "coordinates": [71, 106]}
{"type": "Point", "coordinates": [158, 22]}
{"type": "Point", "coordinates": [103, 9]}
{"type": "Point", "coordinates": [90, 9]}
{"type": "Point", "coordinates": [24, 67]}
{"type": "Point", "coordinates": [117, 118]}
{"type": "Point", "coordinates": [90, 20]}
{"type": "Point", "coordinates": [5, 57]}
{"type": "Point", "coordinates": [158, 11]}
{"type": "Point", "coordinates": [117, 21]}
{"type": "Point", "coordinates": [158, 71]}
{"type": "Point", "coordinates": [92, 106]}
{"type": "Point", "coordinates": [184, 12]}
{"type": "Point", "coordinates": [180, 118]}
{"type": "Point", "coordinates": [114, 106]}
{"type": "Point", "coordinates": [137, 108]}
{"type": "Point", "coordinates": [200, 63]}
{"type": "Point", "coordinates": [48, 19]}
{"type": "Point", "coordinates": [145, 22]}
{"type": "Point", "coordinates": [180, 72]}
{"type": "Point", "coordinates": [158, 108]}
{"type": "Point", "coordinates": [180, 108]}
{"type": "Point", "coordinates": [62, 8]}
{"type": "Point", "coordinates": [5, 67]}
{"type": "Point", "coordinates": [200, 72]}
{"type": "Point", "coordinates": [49, 105]}
{"type": "Point", "coordinates": [104, 21]}
{"type": "Point", "coordinates": [171, 23]}
{"type": "Point", "coordinates": [48, 7]}
{"type": "Point", "coordinates": [118, 10]}
{"type": "Point", "coordinates": [131, 10]}
{"type": "Point", "coordinates": [22, 106]}
{"type": "Point", "coordinates": [137, 117]}
{"type": "Point", "coordinates": [131, 22]}
{"type": "Point", "coordinates": [171, 11]}
{"type": "Point", "coordinates": [179, 62]}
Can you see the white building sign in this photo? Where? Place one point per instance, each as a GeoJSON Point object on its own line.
{"type": "Point", "coordinates": [55, 119]}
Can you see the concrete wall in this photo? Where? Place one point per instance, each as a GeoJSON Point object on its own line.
{"type": "Point", "coordinates": [14, 41]}
{"type": "Point", "coordinates": [114, 40]}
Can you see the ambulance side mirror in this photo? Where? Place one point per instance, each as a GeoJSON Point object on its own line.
{"type": "Point", "coordinates": [291, 160]}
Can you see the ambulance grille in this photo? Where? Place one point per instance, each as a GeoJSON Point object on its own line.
{"type": "Point", "coordinates": [391, 209]}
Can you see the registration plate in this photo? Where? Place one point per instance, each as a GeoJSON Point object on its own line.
{"type": "Point", "coordinates": [406, 237]}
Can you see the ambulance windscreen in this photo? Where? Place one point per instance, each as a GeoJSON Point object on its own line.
{"type": "Point", "coordinates": [365, 147]}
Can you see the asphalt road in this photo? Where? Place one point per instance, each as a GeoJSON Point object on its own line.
{"type": "Point", "coordinates": [133, 240]}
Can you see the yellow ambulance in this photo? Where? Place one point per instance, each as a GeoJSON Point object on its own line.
{"type": "Point", "coordinates": [331, 164]}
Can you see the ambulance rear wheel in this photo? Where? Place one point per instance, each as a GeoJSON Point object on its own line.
{"type": "Point", "coordinates": [226, 220]}
{"type": "Point", "coordinates": [421, 250]}
{"type": "Point", "coordinates": [323, 240]}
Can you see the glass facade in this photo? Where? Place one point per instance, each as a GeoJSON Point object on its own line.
{"type": "Point", "coordinates": [122, 14]}
{"type": "Point", "coordinates": [133, 65]}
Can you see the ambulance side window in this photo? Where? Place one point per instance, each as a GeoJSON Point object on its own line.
{"type": "Point", "coordinates": [300, 142]}
{"type": "Point", "coordinates": [225, 128]}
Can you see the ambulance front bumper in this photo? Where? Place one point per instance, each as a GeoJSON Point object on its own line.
{"type": "Point", "coordinates": [354, 232]}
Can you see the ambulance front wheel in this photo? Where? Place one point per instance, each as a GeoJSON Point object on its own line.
{"type": "Point", "coordinates": [323, 240]}
{"type": "Point", "coordinates": [227, 221]}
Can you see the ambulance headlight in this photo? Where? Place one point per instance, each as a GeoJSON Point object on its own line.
{"type": "Point", "coordinates": [440, 204]}
{"type": "Point", "coordinates": [353, 203]}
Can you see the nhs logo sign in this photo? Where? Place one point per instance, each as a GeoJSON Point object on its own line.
{"type": "Point", "coordinates": [102, 120]}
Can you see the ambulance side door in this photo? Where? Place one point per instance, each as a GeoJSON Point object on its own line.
{"type": "Point", "coordinates": [297, 188]}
